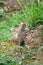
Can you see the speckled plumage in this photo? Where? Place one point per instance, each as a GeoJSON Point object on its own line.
{"type": "Point", "coordinates": [21, 35]}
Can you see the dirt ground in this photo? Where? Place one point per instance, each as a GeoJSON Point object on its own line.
{"type": "Point", "coordinates": [33, 42]}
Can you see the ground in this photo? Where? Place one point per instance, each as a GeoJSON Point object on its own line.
{"type": "Point", "coordinates": [32, 42]}
{"type": "Point", "coordinates": [32, 52]}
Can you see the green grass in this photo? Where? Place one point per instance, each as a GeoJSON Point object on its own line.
{"type": "Point", "coordinates": [8, 58]}
{"type": "Point", "coordinates": [29, 13]}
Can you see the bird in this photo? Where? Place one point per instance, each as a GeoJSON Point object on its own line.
{"type": "Point", "coordinates": [21, 35]}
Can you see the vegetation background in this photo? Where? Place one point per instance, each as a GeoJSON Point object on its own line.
{"type": "Point", "coordinates": [25, 11]}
